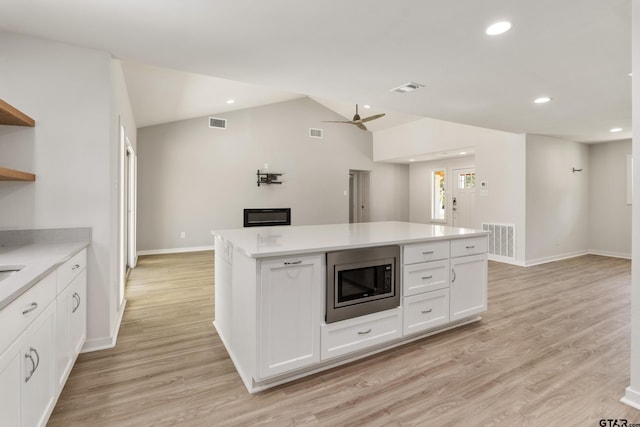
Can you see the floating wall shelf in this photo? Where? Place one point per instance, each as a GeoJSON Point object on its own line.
{"type": "Point", "coordinates": [14, 117]}
{"type": "Point", "coordinates": [268, 178]}
{"type": "Point", "coordinates": [11, 116]}
{"type": "Point", "coordinates": [14, 175]}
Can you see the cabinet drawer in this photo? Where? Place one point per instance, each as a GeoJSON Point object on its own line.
{"type": "Point", "coordinates": [471, 246]}
{"type": "Point", "coordinates": [425, 311]}
{"type": "Point", "coordinates": [429, 251]}
{"type": "Point", "coordinates": [356, 334]}
{"type": "Point", "coordinates": [15, 317]}
{"type": "Point", "coordinates": [425, 277]}
{"type": "Point", "coordinates": [70, 269]}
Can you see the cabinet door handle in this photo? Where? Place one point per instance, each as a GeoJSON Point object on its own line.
{"type": "Point", "coordinates": [364, 332]}
{"type": "Point", "coordinates": [34, 364]}
{"type": "Point", "coordinates": [75, 267]}
{"type": "Point", "coordinates": [427, 277]}
{"type": "Point", "coordinates": [470, 246]}
{"type": "Point", "coordinates": [454, 275]}
{"type": "Point", "coordinates": [76, 297]}
{"type": "Point", "coordinates": [427, 252]}
{"type": "Point", "coordinates": [427, 311]}
{"type": "Point", "coordinates": [32, 307]}
{"type": "Point", "coordinates": [293, 262]}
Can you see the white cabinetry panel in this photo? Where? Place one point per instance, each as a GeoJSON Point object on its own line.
{"type": "Point", "coordinates": [290, 314]}
{"type": "Point", "coordinates": [468, 286]}
{"type": "Point", "coordinates": [426, 311]}
{"type": "Point", "coordinates": [425, 277]}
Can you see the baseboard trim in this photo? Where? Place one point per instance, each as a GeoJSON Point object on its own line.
{"type": "Point", "coordinates": [631, 398]}
{"type": "Point", "coordinates": [555, 258]}
{"type": "Point", "coordinates": [105, 343]}
{"type": "Point", "coordinates": [609, 254]}
{"type": "Point", "coordinates": [175, 250]}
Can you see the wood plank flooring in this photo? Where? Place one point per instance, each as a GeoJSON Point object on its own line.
{"type": "Point", "coordinates": [553, 350]}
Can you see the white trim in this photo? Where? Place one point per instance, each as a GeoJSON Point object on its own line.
{"type": "Point", "coordinates": [505, 260]}
{"type": "Point", "coordinates": [555, 258]}
{"type": "Point", "coordinates": [631, 398]}
{"type": "Point", "coordinates": [175, 250]}
{"type": "Point", "coordinates": [105, 342]}
{"type": "Point", "coordinates": [609, 254]}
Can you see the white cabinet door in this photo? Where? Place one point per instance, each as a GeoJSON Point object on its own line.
{"type": "Point", "coordinates": [78, 314]}
{"type": "Point", "coordinates": [38, 395]}
{"type": "Point", "coordinates": [468, 290]}
{"type": "Point", "coordinates": [10, 384]}
{"type": "Point", "coordinates": [290, 313]}
{"type": "Point", "coordinates": [425, 311]}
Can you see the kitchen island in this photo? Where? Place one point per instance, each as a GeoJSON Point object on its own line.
{"type": "Point", "coordinates": [271, 294]}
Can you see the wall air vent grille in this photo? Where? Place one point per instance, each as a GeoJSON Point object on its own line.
{"type": "Point", "coordinates": [217, 123]}
{"type": "Point", "coordinates": [502, 240]}
{"type": "Point", "coordinates": [315, 133]}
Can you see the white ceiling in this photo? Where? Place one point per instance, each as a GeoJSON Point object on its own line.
{"type": "Point", "coordinates": [576, 51]}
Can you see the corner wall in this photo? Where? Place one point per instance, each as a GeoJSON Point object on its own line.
{"type": "Point", "coordinates": [557, 199]}
{"type": "Point", "coordinates": [195, 179]}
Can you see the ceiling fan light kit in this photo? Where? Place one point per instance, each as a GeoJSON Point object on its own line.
{"type": "Point", "coordinates": [359, 122]}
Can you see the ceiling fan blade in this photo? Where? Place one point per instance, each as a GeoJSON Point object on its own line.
{"type": "Point", "coordinates": [337, 121]}
{"type": "Point", "coordinates": [368, 119]}
{"type": "Point", "coordinates": [361, 126]}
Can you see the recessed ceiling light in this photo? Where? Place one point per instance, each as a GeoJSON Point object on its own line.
{"type": "Point", "coordinates": [615, 130]}
{"type": "Point", "coordinates": [230, 101]}
{"type": "Point", "coordinates": [542, 100]}
{"type": "Point", "coordinates": [407, 87]}
{"type": "Point", "coordinates": [462, 153]}
{"type": "Point", "coordinates": [630, 74]}
{"type": "Point", "coordinates": [498, 28]}
{"type": "Point", "coordinates": [367, 106]}
{"type": "Point", "coordinates": [412, 160]}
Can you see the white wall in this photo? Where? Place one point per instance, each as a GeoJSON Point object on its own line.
{"type": "Point", "coordinates": [609, 213]}
{"type": "Point", "coordinates": [194, 179]}
{"type": "Point", "coordinates": [500, 159]}
{"type": "Point", "coordinates": [67, 91]}
{"type": "Point", "coordinates": [421, 187]}
{"type": "Point", "coordinates": [557, 199]}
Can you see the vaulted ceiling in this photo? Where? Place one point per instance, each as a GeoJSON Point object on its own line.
{"type": "Point", "coordinates": [578, 52]}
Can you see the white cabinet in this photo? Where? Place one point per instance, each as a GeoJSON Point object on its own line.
{"type": "Point", "coordinates": [38, 389]}
{"type": "Point", "coordinates": [289, 314]}
{"type": "Point", "coordinates": [71, 325]}
{"type": "Point", "coordinates": [468, 290]}
{"type": "Point", "coordinates": [425, 277]}
{"type": "Point", "coordinates": [426, 311]}
{"type": "Point", "coordinates": [10, 386]}
{"type": "Point", "coordinates": [350, 335]}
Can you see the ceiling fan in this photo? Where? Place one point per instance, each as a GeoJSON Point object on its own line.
{"type": "Point", "coordinates": [357, 120]}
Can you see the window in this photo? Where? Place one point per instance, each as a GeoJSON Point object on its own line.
{"type": "Point", "coordinates": [438, 202]}
{"type": "Point", "coordinates": [466, 181]}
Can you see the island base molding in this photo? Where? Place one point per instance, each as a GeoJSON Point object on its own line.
{"type": "Point", "coordinates": [254, 386]}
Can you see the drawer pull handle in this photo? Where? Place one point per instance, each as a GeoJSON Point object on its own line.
{"type": "Point", "coordinates": [75, 267]}
{"type": "Point", "coordinates": [364, 332]}
{"type": "Point", "coordinates": [76, 297]}
{"type": "Point", "coordinates": [293, 262]}
{"type": "Point", "coordinates": [470, 246]}
{"type": "Point", "coordinates": [32, 307]}
{"type": "Point", "coordinates": [427, 252]}
{"type": "Point", "coordinates": [427, 277]}
{"type": "Point", "coordinates": [427, 311]}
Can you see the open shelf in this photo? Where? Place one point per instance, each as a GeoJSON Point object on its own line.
{"type": "Point", "coordinates": [14, 175]}
{"type": "Point", "coordinates": [14, 117]}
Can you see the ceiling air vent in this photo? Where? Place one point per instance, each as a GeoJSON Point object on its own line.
{"type": "Point", "coordinates": [315, 133]}
{"type": "Point", "coordinates": [217, 123]}
{"type": "Point", "coordinates": [407, 87]}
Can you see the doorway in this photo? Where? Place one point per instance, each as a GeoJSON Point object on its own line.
{"type": "Point", "coordinates": [463, 199]}
{"type": "Point", "coordinates": [127, 212]}
{"type": "Point", "coordinates": [359, 193]}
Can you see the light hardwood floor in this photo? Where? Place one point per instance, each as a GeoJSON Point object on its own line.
{"type": "Point", "coordinates": [553, 350]}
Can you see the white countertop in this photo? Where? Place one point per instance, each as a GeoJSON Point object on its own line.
{"type": "Point", "coordinates": [39, 260]}
{"type": "Point", "coordinates": [259, 242]}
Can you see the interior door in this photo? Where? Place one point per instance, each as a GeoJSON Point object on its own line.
{"type": "Point", "coordinates": [359, 190]}
{"type": "Point", "coordinates": [463, 199]}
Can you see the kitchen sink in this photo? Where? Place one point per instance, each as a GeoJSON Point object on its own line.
{"type": "Point", "coordinates": [7, 271]}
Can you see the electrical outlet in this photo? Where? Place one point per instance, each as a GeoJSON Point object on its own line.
{"type": "Point", "coordinates": [183, 235]}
